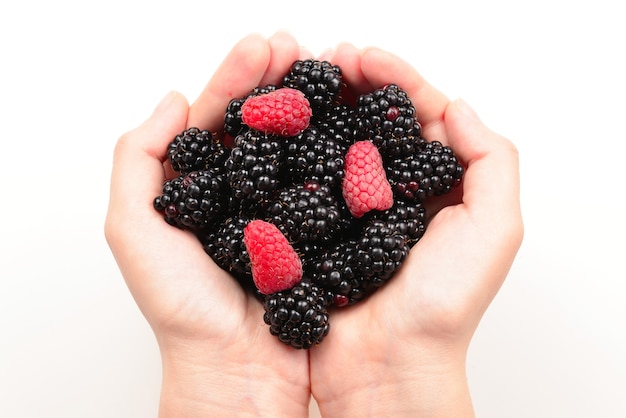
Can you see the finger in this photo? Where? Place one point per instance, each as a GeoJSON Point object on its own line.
{"type": "Point", "coordinates": [491, 184]}
{"type": "Point", "coordinates": [326, 55]}
{"type": "Point", "coordinates": [305, 53]}
{"type": "Point", "coordinates": [284, 50]}
{"type": "Point", "coordinates": [348, 58]}
{"type": "Point", "coordinates": [240, 72]}
{"type": "Point", "coordinates": [380, 68]}
{"type": "Point", "coordinates": [138, 172]}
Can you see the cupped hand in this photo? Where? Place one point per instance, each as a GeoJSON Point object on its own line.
{"type": "Point", "coordinates": [416, 329]}
{"type": "Point", "coordinates": [202, 319]}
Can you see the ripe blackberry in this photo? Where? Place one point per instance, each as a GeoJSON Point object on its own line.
{"type": "Point", "coordinates": [233, 125]}
{"type": "Point", "coordinates": [408, 219]}
{"type": "Point", "coordinates": [320, 81]}
{"type": "Point", "coordinates": [253, 168]}
{"type": "Point", "coordinates": [313, 156]}
{"type": "Point", "coordinates": [432, 170]}
{"type": "Point", "coordinates": [193, 201]}
{"type": "Point", "coordinates": [195, 150]}
{"type": "Point", "coordinates": [337, 123]}
{"type": "Point", "coordinates": [306, 213]}
{"type": "Point", "coordinates": [335, 271]}
{"type": "Point", "coordinates": [226, 247]}
{"type": "Point", "coordinates": [381, 249]}
{"type": "Point", "coordinates": [298, 316]}
{"type": "Point", "coordinates": [383, 114]}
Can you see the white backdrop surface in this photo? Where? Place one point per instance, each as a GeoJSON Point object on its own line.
{"type": "Point", "coordinates": [550, 75]}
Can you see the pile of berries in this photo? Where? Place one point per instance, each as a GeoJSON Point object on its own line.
{"type": "Point", "coordinates": [316, 202]}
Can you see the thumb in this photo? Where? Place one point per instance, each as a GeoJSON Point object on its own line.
{"type": "Point", "coordinates": [138, 172]}
{"type": "Point", "coordinates": [491, 182]}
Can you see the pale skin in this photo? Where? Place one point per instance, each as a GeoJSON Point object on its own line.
{"type": "Point", "coordinates": [401, 352]}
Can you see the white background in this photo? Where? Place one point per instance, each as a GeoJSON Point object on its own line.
{"type": "Point", "coordinates": [75, 75]}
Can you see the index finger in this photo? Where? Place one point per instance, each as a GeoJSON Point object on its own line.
{"type": "Point", "coordinates": [241, 71]}
{"type": "Point", "coordinates": [381, 67]}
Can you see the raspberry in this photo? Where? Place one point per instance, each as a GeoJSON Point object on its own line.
{"type": "Point", "coordinates": [232, 118]}
{"type": "Point", "coordinates": [275, 264]}
{"type": "Point", "coordinates": [284, 112]}
{"type": "Point", "coordinates": [298, 317]}
{"type": "Point", "coordinates": [365, 186]}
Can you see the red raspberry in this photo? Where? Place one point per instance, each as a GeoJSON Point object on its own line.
{"type": "Point", "coordinates": [275, 264]}
{"type": "Point", "coordinates": [284, 112]}
{"type": "Point", "coordinates": [365, 186]}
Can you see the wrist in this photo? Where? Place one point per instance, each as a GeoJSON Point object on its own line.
{"type": "Point", "coordinates": [407, 382]}
{"type": "Point", "coordinates": [227, 382]}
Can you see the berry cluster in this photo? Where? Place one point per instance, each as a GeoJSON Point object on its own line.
{"type": "Point", "coordinates": [317, 202]}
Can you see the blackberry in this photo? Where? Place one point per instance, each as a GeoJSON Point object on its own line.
{"type": "Point", "coordinates": [232, 119]}
{"type": "Point", "coordinates": [384, 114]}
{"type": "Point", "coordinates": [253, 168]}
{"type": "Point", "coordinates": [337, 123]}
{"type": "Point", "coordinates": [314, 156]}
{"type": "Point", "coordinates": [195, 150]}
{"type": "Point", "coordinates": [335, 271]}
{"type": "Point", "coordinates": [432, 170]}
{"type": "Point", "coordinates": [408, 219]}
{"type": "Point", "coordinates": [226, 247]}
{"type": "Point", "coordinates": [306, 213]}
{"type": "Point", "coordinates": [381, 249]}
{"type": "Point", "coordinates": [298, 316]}
{"type": "Point", "coordinates": [320, 81]}
{"type": "Point", "coordinates": [399, 146]}
{"type": "Point", "coordinates": [194, 201]}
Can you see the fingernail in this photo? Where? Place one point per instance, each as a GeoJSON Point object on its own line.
{"type": "Point", "coordinates": [164, 104]}
{"type": "Point", "coordinates": [466, 109]}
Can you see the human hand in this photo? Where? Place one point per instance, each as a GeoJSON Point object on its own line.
{"type": "Point", "coordinates": [402, 351]}
{"type": "Point", "coordinates": [218, 357]}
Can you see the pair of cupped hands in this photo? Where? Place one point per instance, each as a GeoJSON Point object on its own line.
{"type": "Point", "coordinates": [399, 353]}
